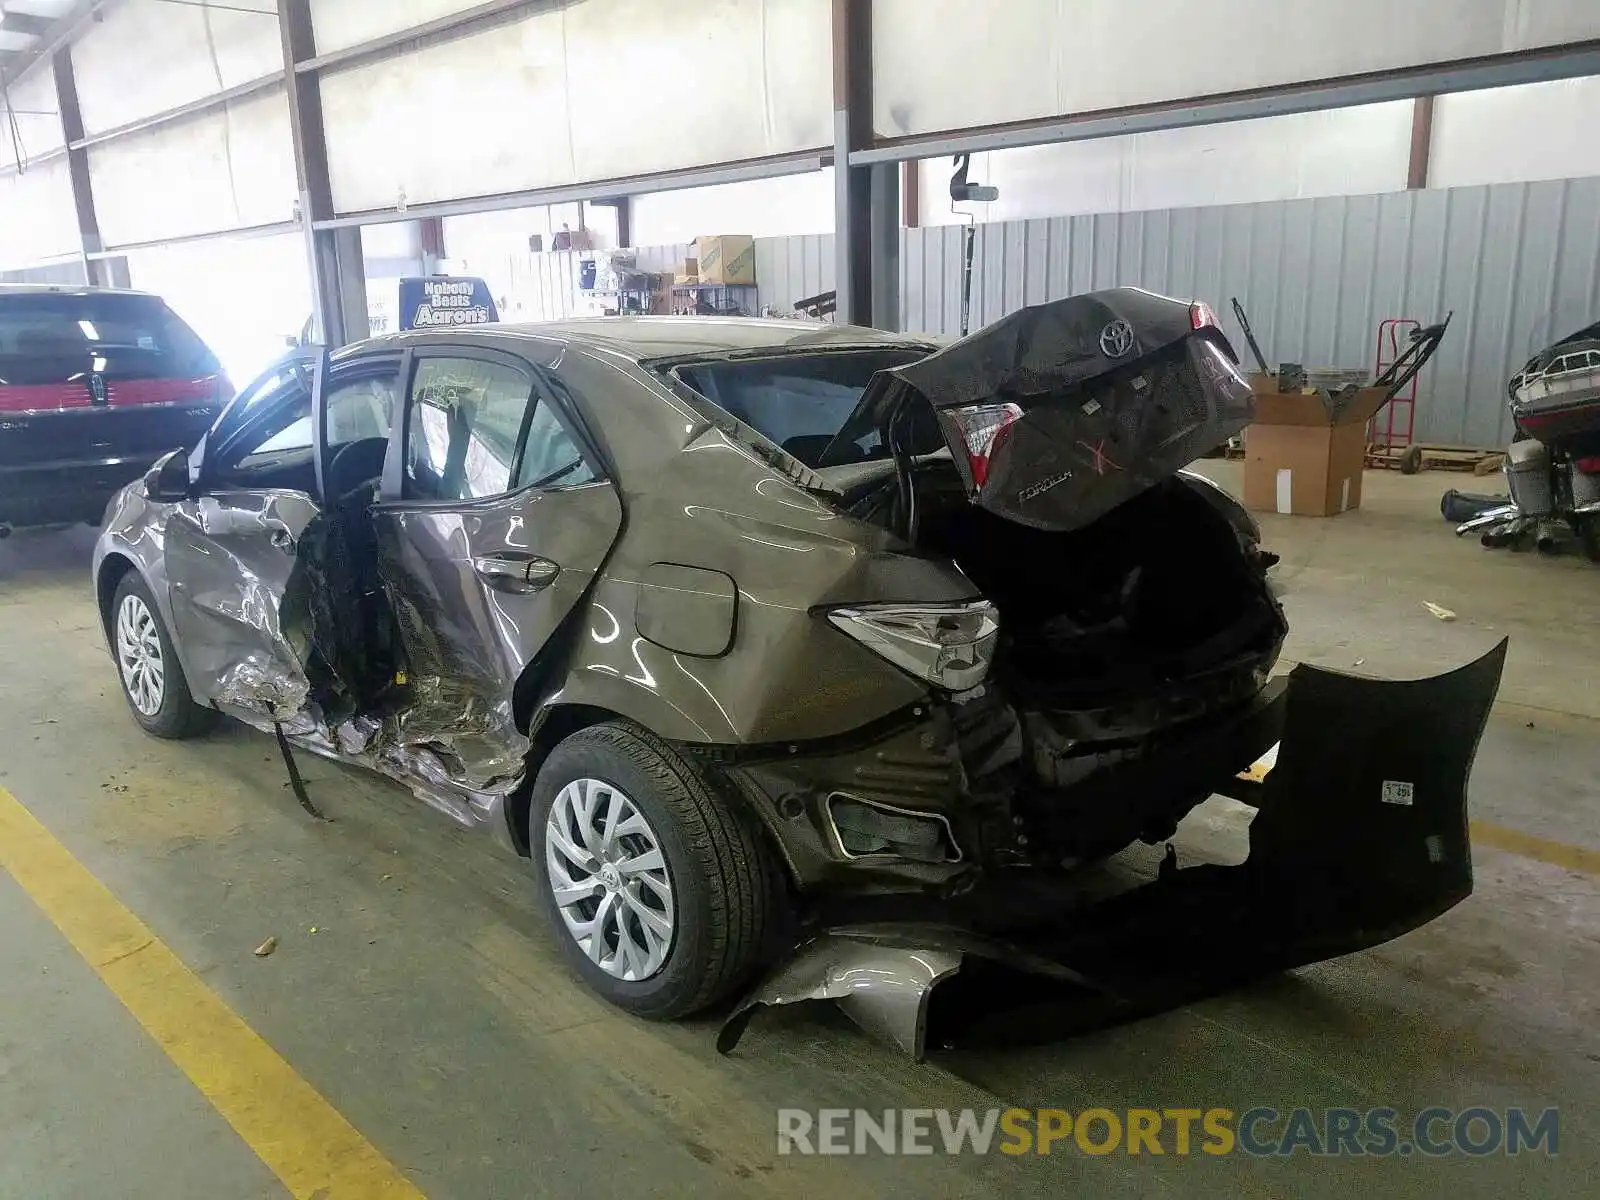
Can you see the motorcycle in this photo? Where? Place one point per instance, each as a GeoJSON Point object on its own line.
{"type": "Point", "coordinates": [1552, 465]}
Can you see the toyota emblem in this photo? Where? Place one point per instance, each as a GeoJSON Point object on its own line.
{"type": "Point", "coordinates": [1116, 339]}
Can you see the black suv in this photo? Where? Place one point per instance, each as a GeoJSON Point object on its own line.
{"type": "Point", "coordinates": [95, 384]}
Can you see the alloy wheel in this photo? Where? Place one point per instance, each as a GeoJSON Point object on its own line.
{"type": "Point", "coordinates": [144, 673]}
{"type": "Point", "coordinates": [610, 879]}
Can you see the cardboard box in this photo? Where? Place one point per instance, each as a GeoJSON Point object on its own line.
{"type": "Point", "coordinates": [688, 272]}
{"type": "Point", "coordinates": [727, 258]}
{"type": "Point", "coordinates": [1299, 457]}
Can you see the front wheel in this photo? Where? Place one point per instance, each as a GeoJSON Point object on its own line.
{"type": "Point", "coordinates": [658, 891]}
{"type": "Point", "coordinates": [152, 681]}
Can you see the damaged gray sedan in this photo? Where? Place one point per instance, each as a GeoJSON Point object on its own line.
{"type": "Point", "coordinates": [806, 649]}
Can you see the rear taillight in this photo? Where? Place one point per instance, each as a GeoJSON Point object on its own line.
{"type": "Point", "coordinates": [982, 428]}
{"type": "Point", "coordinates": [1202, 316]}
{"type": "Point", "coordinates": [42, 397]}
{"type": "Point", "coordinates": [200, 389]}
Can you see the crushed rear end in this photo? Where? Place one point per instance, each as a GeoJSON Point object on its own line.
{"type": "Point", "coordinates": [1129, 679]}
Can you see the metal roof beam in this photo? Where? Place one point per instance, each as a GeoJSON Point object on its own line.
{"type": "Point", "coordinates": [1464, 75]}
{"type": "Point", "coordinates": [600, 189]}
{"type": "Point", "coordinates": [441, 29]}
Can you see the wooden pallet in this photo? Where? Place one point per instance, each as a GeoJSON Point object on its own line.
{"type": "Point", "coordinates": [1422, 456]}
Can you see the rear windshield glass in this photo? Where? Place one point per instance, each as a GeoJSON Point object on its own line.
{"type": "Point", "coordinates": [798, 401]}
{"type": "Point", "coordinates": [125, 328]}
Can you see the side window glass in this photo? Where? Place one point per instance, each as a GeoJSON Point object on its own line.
{"type": "Point", "coordinates": [360, 409]}
{"type": "Point", "coordinates": [276, 432]}
{"type": "Point", "coordinates": [255, 398]}
{"type": "Point", "coordinates": [550, 457]}
{"type": "Point", "coordinates": [464, 418]}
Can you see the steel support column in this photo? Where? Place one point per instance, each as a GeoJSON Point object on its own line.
{"type": "Point", "coordinates": [338, 276]}
{"type": "Point", "coordinates": [852, 186]}
{"type": "Point", "coordinates": [78, 167]}
{"type": "Point", "coordinates": [911, 192]}
{"type": "Point", "coordinates": [1421, 142]}
{"type": "Point", "coordinates": [884, 235]}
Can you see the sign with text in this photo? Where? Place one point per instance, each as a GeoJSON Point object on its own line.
{"type": "Point", "coordinates": [444, 301]}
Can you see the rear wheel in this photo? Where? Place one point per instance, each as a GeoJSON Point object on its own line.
{"type": "Point", "coordinates": [152, 681]}
{"type": "Point", "coordinates": [1589, 536]}
{"type": "Point", "coordinates": [656, 888]}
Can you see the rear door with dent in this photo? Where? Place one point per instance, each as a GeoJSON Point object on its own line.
{"type": "Point", "coordinates": [495, 515]}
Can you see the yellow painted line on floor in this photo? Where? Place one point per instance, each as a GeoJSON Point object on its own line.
{"type": "Point", "coordinates": [1513, 841]}
{"type": "Point", "coordinates": [301, 1138]}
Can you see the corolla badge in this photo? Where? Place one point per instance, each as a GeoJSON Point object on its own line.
{"type": "Point", "coordinates": [1116, 339]}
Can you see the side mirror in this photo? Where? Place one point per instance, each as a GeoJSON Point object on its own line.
{"type": "Point", "coordinates": [167, 482]}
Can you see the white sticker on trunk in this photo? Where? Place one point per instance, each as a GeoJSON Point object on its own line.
{"type": "Point", "coordinates": [1091, 408]}
{"type": "Point", "coordinates": [1285, 490]}
{"type": "Point", "coordinates": [1344, 496]}
{"type": "Point", "coordinates": [1396, 791]}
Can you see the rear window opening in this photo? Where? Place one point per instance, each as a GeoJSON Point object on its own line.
{"type": "Point", "coordinates": [799, 402]}
{"type": "Point", "coordinates": [53, 334]}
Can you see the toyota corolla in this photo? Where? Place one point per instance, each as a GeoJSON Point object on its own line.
{"type": "Point", "coordinates": [794, 646]}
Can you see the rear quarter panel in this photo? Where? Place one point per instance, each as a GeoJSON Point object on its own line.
{"type": "Point", "coordinates": [693, 498]}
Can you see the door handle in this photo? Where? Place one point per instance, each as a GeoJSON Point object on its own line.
{"type": "Point", "coordinates": [516, 574]}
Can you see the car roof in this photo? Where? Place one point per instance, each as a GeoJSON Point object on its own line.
{"type": "Point", "coordinates": [667, 337]}
{"type": "Point", "coordinates": [68, 289]}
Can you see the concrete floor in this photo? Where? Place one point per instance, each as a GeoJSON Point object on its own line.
{"type": "Point", "coordinates": [431, 1010]}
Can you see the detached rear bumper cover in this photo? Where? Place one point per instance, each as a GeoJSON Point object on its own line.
{"type": "Point", "coordinates": [1361, 836]}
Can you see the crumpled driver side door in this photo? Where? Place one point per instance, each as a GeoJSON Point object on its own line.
{"type": "Point", "coordinates": [230, 548]}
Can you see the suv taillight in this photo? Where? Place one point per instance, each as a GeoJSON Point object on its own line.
{"type": "Point", "coordinates": [1201, 316]}
{"type": "Point", "coordinates": [981, 428]}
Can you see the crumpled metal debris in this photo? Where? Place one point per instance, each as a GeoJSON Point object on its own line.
{"type": "Point", "coordinates": [882, 976]}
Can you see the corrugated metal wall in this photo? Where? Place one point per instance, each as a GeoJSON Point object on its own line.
{"type": "Point", "coordinates": [1518, 263]}
{"type": "Point", "coordinates": [793, 268]}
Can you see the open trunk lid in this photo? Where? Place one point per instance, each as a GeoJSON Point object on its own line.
{"type": "Point", "coordinates": [1059, 412]}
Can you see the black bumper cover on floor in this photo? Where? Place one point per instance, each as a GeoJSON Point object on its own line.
{"type": "Point", "coordinates": [1361, 835]}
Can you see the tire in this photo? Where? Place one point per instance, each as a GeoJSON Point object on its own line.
{"type": "Point", "coordinates": [1589, 537]}
{"type": "Point", "coordinates": [718, 873]}
{"type": "Point", "coordinates": [172, 714]}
